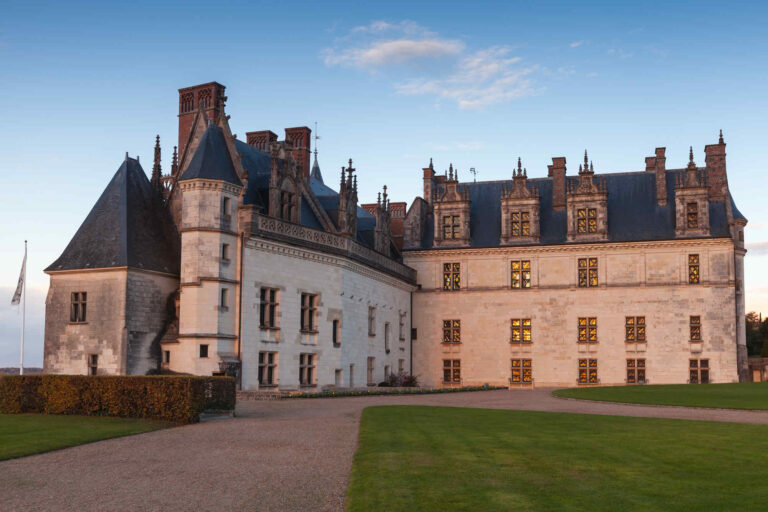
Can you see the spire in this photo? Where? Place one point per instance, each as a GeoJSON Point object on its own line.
{"type": "Point", "coordinates": [450, 172]}
{"type": "Point", "coordinates": [175, 161]}
{"type": "Point", "coordinates": [721, 137]}
{"type": "Point", "coordinates": [691, 164]}
{"type": "Point", "coordinates": [157, 172]}
{"type": "Point", "coordinates": [431, 167]}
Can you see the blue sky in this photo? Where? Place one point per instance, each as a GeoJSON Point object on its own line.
{"type": "Point", "coordinates": [389, 84]}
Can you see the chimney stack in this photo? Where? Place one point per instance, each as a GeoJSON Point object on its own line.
{"type": "Point", "coordinates": [300, 138]}
{"type": "Point", "coordinates": [557, 173]}
{"type": "Point", "coordinates": [658, 165]}
{"type": "Point", "coordinates": [206, 97]}
{"type": "Point", "coordinates": [717, 179]}
{"type": "Point", "coordinates": [429, 183]}
{"type": "Point", "coordinates": [261, 139]}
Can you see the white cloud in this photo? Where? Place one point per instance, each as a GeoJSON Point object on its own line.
{"type": "Point", "coordinates": [399, 51]}
{"type": "Point", "coordinates": [471, 79]}
{"type": "Point", "coordinates": [576, 44]}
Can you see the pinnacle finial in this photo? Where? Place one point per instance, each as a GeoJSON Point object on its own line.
{"type": "Point", "coordinates": [525, 172]}
{"type": "Point", "coordinates": [431, 167]}
{"type": "Point", "coordinates": [350, 163]}
{"type": "Point", "coordinates": [720, 141]}
{"type": "Point", "coordinates": [690, 155]}
{"type": "Point", "coordinates": [519, 166]}
{"type": "Point", "coordinates": [378, 199]}
{"type": "Point", "coordinates": [450, 171]}
{"type": "Point", "coordinates": [586, 160]}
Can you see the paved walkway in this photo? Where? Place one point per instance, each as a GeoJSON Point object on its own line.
{"type": "Point", "coordinates": [277, 456]}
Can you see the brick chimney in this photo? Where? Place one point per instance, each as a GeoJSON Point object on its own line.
{"type": "Point", "coordinates": [300, 138]}
{"type": "Point", "coordinates": [557, 173]}
{"type": "Point", "coordinates": [658, 165]}
{"type": "Point", "coordinates": [261, 139]}
{"type": "Point", "coordinates": [429, 183]}
{"type": "Point", "coordinates": [717, 180]}
{"type": "Point", "coordinates": [210, 97]}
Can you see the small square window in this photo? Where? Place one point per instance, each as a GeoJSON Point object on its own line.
{"type": "Point", "coordinates": [203, 351]}
{"type": "Point", "coordinates": [166, 356]}
{"type": "Point", "coordinates": [225, 252]}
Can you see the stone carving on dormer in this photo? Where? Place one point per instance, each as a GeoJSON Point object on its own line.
{"type": "Point", "coordinates": [347, 214]}
{"type": "Point", "coordinates": [284, 190]}
{"type": "Point", "coordinates": [382, 235]}
{"type": "Point", "coordinates": [587, 205]}
{"type": "Point", "coordinates": [519, 209]}
{"type": "Point", "coordinates": [451, 213]}
{"type": "Point", "coordinates": [691, 202]}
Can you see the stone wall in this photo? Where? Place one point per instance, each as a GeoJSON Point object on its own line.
{"type": "Point", "coordinates": [68, 345]}
{"type": "Point", "coordinates": [346, 290]}
{"type": "Point", "coordinates": [635, 279]}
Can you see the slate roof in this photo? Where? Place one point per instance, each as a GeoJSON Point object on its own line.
{"type": "Point", "coordinates": [127, 227]}
{"type": "Point", "coordinates": [633, 214]}
{"type": "Point", "coordinates": [211, 159]}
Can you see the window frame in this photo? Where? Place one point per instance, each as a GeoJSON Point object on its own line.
{"type": "Point", "coordinates": [371, 371]}
{"type": "Point", "coordinates": [269, 303]}
{"type": "Point", "coordinates": [224, 299]}
{"type": "Point", "coordinates": [452, 369]}
{"type": "Point", "coordinates": [520, 328]}
{"type": "Point", "coordinates": [694, 327]}
{"type": "Point", "coordinates": [451, 331]}
{"type": "Point", "coordinates": [521, 371]}
{"type": "Point", "coordinates": [336, 332]}
{"type": "Point", "coordinates": [588, 371]}
{"type": "Point", "coordinates": [203, 351]}
{"type": "Point", "coordinates": [93, 364]}
{"type": "Point", "coordinates": [307, 369]}
{"type": "Point", "coordinates": [451, 226]}
{"type": "Point", "coordinates": [268, 361]}
{"type": "Point", "coordinates": [588, 272]}
{"type": "Point", "coordinates": [635, 329]}
{"type": "Point", "coordinates": [586, 221]}
{"type": "Point", "coordinates": [692, 215]}
{"type": "Point", "coordinates": [699, 373]}
{"type": "Point", "coordinates": [587, 329]}
{"type": "Point", "coordinates": [520, 223]}
{"type": "Point", "coordinates": [636, 371]}
{"type": "Point", "coordinates": [694, 269]}
{"type": "Point", "coordinates": [371, 321]}
{"type": "Point", "coordinates": [452, 277]}
{"type": "Point", "coordinates": [520, 274]}
{"type": "Point", "coordinates": [308, 318]}
{"type": "Point", "coordinates": [78, 308]}
{"type": "Point", "coordinates": [226, 205]}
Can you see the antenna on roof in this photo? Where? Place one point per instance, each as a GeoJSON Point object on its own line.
{"type": "Point", "coordinates": [316, 137]}
{"type": "Point", "coordinates": [473, 171]}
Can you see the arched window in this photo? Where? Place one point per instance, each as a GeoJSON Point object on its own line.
{"type": "Point", "coordinates": [204, 98]}
{"type": "Point", "coordinates": [186, 103]}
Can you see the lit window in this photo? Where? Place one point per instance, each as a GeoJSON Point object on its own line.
{"type": "Point", "coordinates": [451, 226]}
{"type": "Point", "coordinates": [451, 331]}
{"type": "Point", "coordinates": [698, 371]}
{"type": "Point", "coordinates": [587, 371]}
{"type": "Point", "coordinates": [635, 371]}
{"type": "Point", "coordinates": [693, 269]}
{"type": "Point", "coordinates": [451, 276]}
{"type": "Point", "coordinates": [267, 368]}
{"type": "Point", "coordinates": [587, 272]}
{"type": "Point", "coordinates": [588, 329]}
{"type": "Point", "coordinates": [268, 309]}
{"type": "Point", "coordinates": [635, 329]}
{"type": "Point", "coordinates": [692, 214]}
{"type": "Point", "coordinates": [308, 312]}
{"type": "Point", "coordinates": [521, 274]}
{"type": "Point", "coordinates": [522, 371]}
{"type": "Point", "coordinates": [452, 370]}
{"type": "Point", "coordinates": [521, 224]}
{"type": "Point", "coordinates": [307, 369]}
{"type": "Point", "coordinates": [695, 324]}
{"type": "Point", "coordinates": [521, 330]}
{"type": "Point", "coordinates": [78, 307]}
{"type": "Point", "coordinates": [586, 220]}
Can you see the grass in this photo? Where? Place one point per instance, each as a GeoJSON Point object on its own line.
{"type": "Point", "coordinates": [26, 434]}
{"type": "Point", "coordinates": [441, 458]}
{"type": "Point", "coordinates": [745, 395]}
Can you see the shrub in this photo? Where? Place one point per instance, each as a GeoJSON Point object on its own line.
{"type": "Point", "coordinates": [402, 380]}
{"type": "Point", "coordinates": [179, 399]}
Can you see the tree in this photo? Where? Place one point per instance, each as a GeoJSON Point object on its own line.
{"type": "Point", "coordinates": [757, 334]}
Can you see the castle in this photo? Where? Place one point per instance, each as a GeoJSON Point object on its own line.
{"type": "Point", "coordinates": [243, 261]}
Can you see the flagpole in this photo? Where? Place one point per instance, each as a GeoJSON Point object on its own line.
{"type": "Point", "coordinates": [23, 309]}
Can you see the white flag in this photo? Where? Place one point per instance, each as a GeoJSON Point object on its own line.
{"type": "Point", "coordinates": [17, 296]}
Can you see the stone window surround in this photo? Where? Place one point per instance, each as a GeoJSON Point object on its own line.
{"type": "Point", "coordinates": [451, 332]}
{"type": "Point", "coordinates": [317, 304]}
{"type": "Point", "coordinates": [521, 328]}
{"type": "Point", "coordinates": [307, 369]}
{"type": "Point", "coordinates": [371, 321]}
{"type": "Point", "coordinates": [588, 368]}
{"type": "Point", "coordinates": [523, 272]}
{"type": "Point", "coordinates": [78, 308]}
{"type": "Point", "coordinates": [702, 371]}
{"type": "Point", "coordinates": [587, 327]}
{"type": "Point", "coordinates": [386, 337]}
{"type": "Point", "coordinates": [694, 324]}
{"type": "Point", "coordinates": [265, 364]}
{"type": "Point", "coordinates": [636, 369]}
{"type": "Point", "coordinates": [93, 364]}
{"type": "Point", "coordinates": [635, 329]}
{"type": "Point", "coordinates": [371, 371]}
{"type": "Point", "coordinates": [401, 325]}
{"type": "Point", "coordinates": [265, 306]}
{"type": "Point", "coordinates": [452, 369]}
{"type": "Point", "coordinates": [518, 374]}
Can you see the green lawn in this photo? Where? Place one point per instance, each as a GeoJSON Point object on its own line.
{"type": "Point", "coordinates": [25, 434]}
{"type": "Point", "coordinates": [745, 395]}
{"type": "Point", "coordinates": [441, 458]}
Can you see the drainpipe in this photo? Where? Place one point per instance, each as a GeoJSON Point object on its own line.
{"type": "Point", "coordinates": [410, 336]}
{"type": "Point", "coordinates": [240, 314]}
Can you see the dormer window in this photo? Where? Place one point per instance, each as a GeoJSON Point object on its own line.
{"type": "Point", "coordinates": [692, 214]}
{"type": "Point", "coordinates": [286, 205]}
{"type": "Point", "coordinates": [521, 224]}
{"type": "Point", "coordinates": [451, 227]}
{"type": "Point", "coordinates": [587, 220]}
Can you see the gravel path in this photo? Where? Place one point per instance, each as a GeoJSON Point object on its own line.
{"type": "Point", "coordinates": [276, 456]}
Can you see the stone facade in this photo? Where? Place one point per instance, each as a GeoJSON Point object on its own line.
{"type": "Point", "coordinates": [647, 280]}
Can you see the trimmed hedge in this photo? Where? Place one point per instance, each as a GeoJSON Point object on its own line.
{"type": "Point", "coordinates": [401, 391]}
{"type": "Point", "coordinates": [178, 399]}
